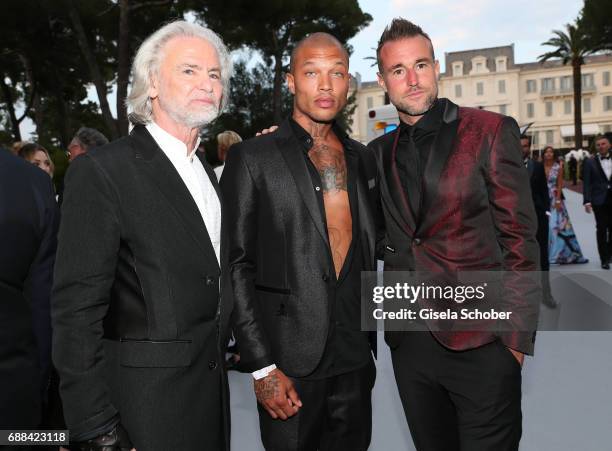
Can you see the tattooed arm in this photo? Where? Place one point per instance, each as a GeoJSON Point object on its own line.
{"type": "Point", "coordinates": [276, 394]}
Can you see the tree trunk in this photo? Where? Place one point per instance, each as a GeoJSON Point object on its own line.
{"type": "Point", "coordinates": [94, 69]}
{"type": "Point", "coordinates": [8, 99]}
{"type": "Point", "coordinates": [277, 93]}
{"type": "Point", "coordinates": [123, 65]}
{"type": "Point", "coordinates": [36, 102]}
{"type": "Point", "coordinates": [576, 72]}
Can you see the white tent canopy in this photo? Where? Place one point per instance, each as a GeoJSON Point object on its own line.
{"type": "Point", "coordinates": [587, 130]}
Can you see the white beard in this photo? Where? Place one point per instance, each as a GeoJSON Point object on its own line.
{"type": "Point", "coordinates": [191, 119]}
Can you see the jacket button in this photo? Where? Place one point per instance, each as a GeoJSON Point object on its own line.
{"type": "Point", "coordinates": [416, 241]}
{"type": "Point", "coordinates": [210, 280]}
{"type": "Point", "coordinates": [212, 365]}
{"type": "Point", "coordinates": [325, 277]}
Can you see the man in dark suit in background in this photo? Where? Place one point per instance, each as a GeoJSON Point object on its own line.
{"type": "Point", "coordinates": [28, 227]}
{"type": "Point", "coordinates": [597, 196]}
{"type": "Point", "coordinates": [141, 297]}
{"type": "Point", "coordinates": [301, 231]}
{"type": "Point", "coordinates": [455, 197]}
{"type": "Point", "coordinates": [541, 202]}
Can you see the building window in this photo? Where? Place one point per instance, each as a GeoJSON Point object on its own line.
{"type": "Point", "coordinates": [549, 108]}
{"type": "Point", "coordinates": [531, 86]}
{"type": "Point", "coordinates": [501, 64]}
{"type": "Point", "coordinates": [548, 85]}
{"type": "Point", "coordinates": [586, 105]}
{"type": "Point", "coordinates": [530, 110]}
{"type": "Point", "coordinates": [606, 78]}
{"type": "Point", "coordinates": [588, 81]}
{"type": "Point", "coordinates": [501, 86]}
{"type": "Point", "coordinates": [479, 88]}
{"type": "Point", "coordinates": [549, 136]}
{"type": "Point", "coordinates": [457, 91]}
{"type": "Point", "coordinates": [535, 138]}
{"type": "Point", "coordinates": [370, 102]}
{"type": "Point", "coordinates": [478, 67]}
{"type": "Point", "coordinates": [566, 84]}
{"type": "Point", "coordinates": [606, 128]}
{"type": "Point", "coordinates": [503, 109]}
{"type": "Point", "coordinates": [458, 70]}
{"type": "Point", "coordinates": [607, 103]}
{"type": "Point", "coordinates": [567, 107]}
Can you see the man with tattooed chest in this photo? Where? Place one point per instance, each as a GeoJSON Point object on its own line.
{"type": "Point", "coordinates": [302, 228]}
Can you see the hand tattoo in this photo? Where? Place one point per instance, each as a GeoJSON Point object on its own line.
{"type": "Point", "coordinates": [267, 388]}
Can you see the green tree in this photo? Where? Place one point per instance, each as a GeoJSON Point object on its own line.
{"type": "Point", "coordinates": [571, 47]}
{"type": "Point", "coordinates": [273, 27]}
{"type": "Point", "coordinates": [595, 21]}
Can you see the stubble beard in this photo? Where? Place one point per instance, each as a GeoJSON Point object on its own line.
{"type": "Point", "coordinates": [404, 107]}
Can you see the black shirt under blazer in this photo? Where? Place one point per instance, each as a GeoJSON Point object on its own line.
{"type": "Point", "coordinates": [139, 318]}
{"type": "Point", "coordinates": [280, 259]}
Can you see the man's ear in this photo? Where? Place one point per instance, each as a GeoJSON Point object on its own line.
{"type": "Point", "coordinates": [290, 82]}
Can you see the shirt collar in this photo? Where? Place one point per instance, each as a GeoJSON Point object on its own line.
{"type": "Point", "coordinates": [172, 146]}
{"type": "Point", "coordinates": [306, 140]}
{"type": "Point", "coordinates": [430, 122]}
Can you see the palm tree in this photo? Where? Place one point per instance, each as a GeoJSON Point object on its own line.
{"type": "Point", "coordinates": [571, 47]}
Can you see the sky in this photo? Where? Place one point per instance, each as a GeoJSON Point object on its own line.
{"type": "Point", "coordinates": [456, 25]}
{"type": "Point", "coordinates": [453, 25]}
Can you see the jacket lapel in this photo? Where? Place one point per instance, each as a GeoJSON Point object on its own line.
{"type": "Point", "coordinates": [392, 192]}
{"type": "Point", "coordinates": [167, 180]}
{"type": "Point", "coordinates": [600, 168]}
{"type": "Point", "coordinates": [438, 156]}
{"type": "Point", "coordinates": [530, 167]}
{"type": "Point", "coordinates": [292, 153]}
{"type": "Point", "coordinates": [367, 226]}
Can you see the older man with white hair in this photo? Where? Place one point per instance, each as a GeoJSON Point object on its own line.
{"type": "Point", "coordinates": [141, 300]}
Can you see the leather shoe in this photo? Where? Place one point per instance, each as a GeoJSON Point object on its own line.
{"type": "Point", "coordinates": [605, 266]}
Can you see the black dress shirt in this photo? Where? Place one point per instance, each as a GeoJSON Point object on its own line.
{"type": "Point", "coordinates": [413, 150]}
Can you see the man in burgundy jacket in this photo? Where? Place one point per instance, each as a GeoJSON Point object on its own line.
{"type": "Point", "coordinates": [455, 196]}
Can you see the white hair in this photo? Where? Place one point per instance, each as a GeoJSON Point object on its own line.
{"type": "Point", "coordinates": [147, 64]}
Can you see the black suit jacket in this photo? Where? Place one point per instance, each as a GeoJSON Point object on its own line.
{"type": "Point", "coordinates": [476, 215]}
{"type": "Point", "coordinates": [539, 186]}
{"type": "Point", "coordinates": [140, 304]}
{"type": "Point", "coordinates": [596, 185]}
{"type": "Point", "coordinates": [28, 227]}
{"type": "Point", "coordinates": [280, 260]}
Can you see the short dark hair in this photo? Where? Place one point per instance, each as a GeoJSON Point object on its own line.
{"type": "Point", "coordinates": [400, 29]}
{"type": "Point", "coordinates": [90, 138]}
{"type": "Point", "coordinates": [320, 36]}
{"type": "Point", "coordinates": [527, 137]}
{"type": "Point", "coordinates": [598, 137]}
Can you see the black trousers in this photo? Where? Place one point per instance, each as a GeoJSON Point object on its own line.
{"type": "Point", "coordinates": [336, 415]}
{"type": "Point", "coordinates": [459, 400]}
{"type": "Point", "coordinates": [603, 220]}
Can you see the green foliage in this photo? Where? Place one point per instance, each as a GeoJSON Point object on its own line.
{"type": "Point", "coordinates": [596, 22]}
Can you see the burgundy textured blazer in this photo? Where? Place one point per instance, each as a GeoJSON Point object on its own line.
{"type": "Point", "coordinates": [476, 214]}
